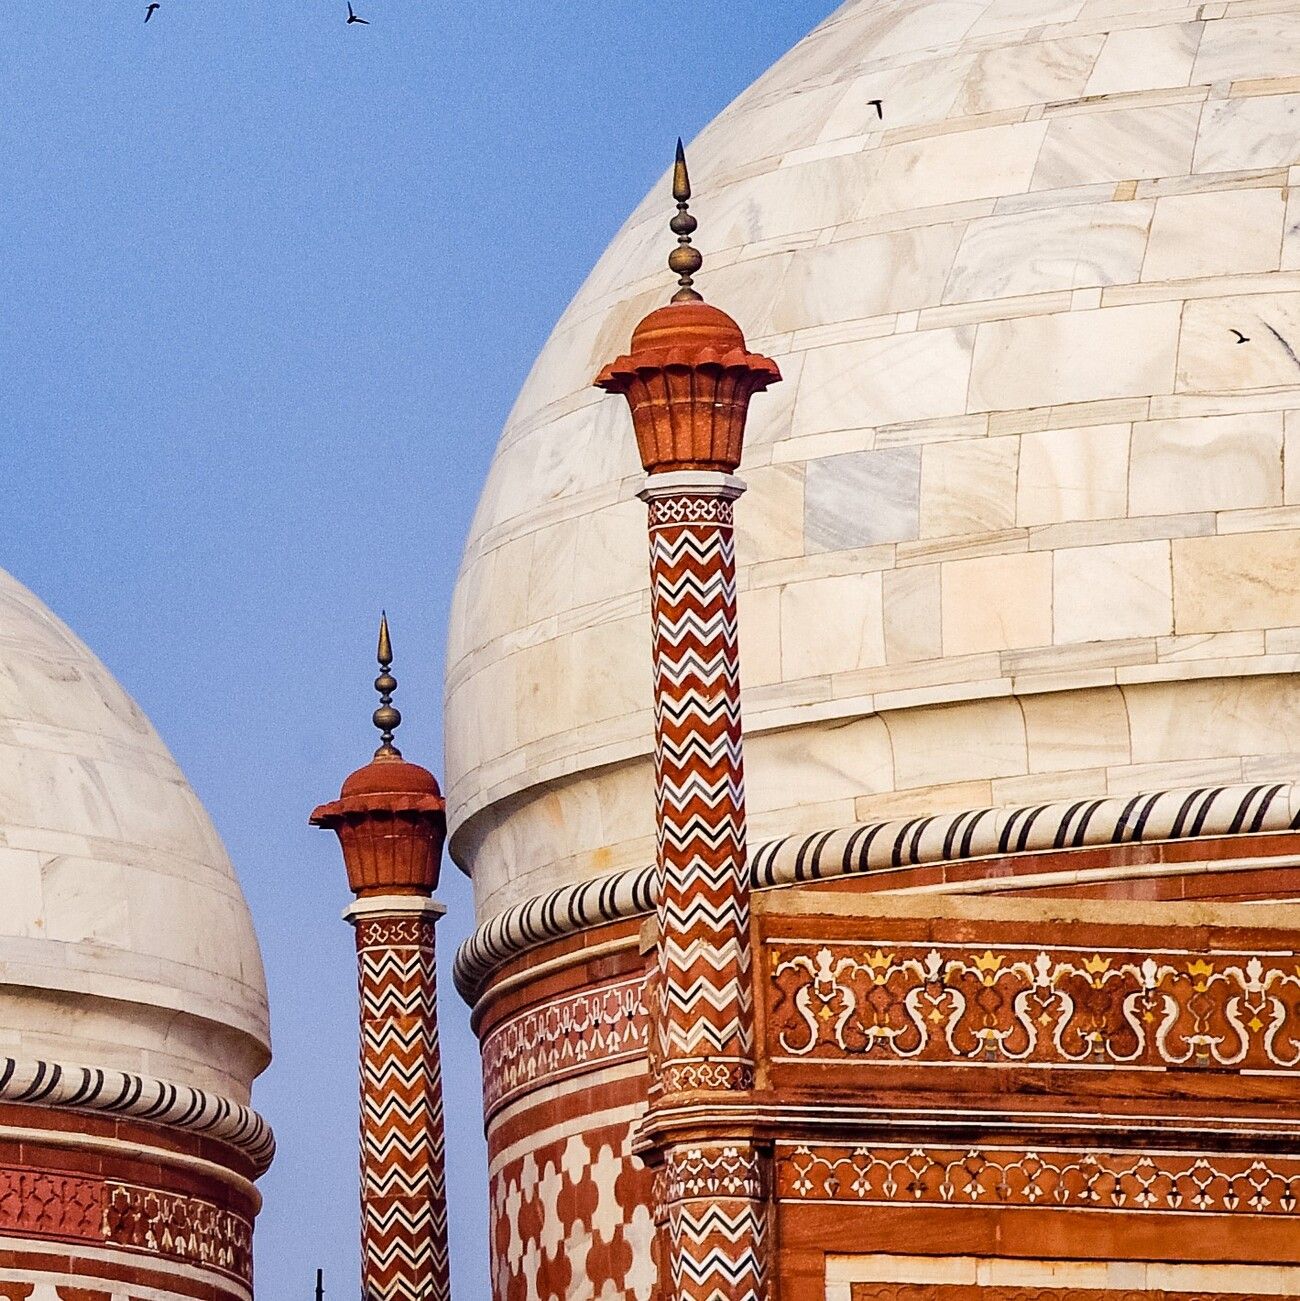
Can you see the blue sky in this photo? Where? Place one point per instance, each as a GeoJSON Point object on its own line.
{"type": "Point", "coordinates": [269, 284]}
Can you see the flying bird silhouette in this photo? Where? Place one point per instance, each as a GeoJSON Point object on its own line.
{"type": "Point", "coordinates": [352, 18]}
{"type": "Point", "coordinates": [148, 13]}
{"type": "Point", "coordinates": [1241, 338]}
{"type": "Point", "coordinates": [878, 106]}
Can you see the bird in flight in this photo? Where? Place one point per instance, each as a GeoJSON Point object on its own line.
{"type": "Point", "coordinates": [1241, 338]}
{"type": "Point", "coordinates": [352, 18]}
{"type": "Point", "coordinates": [148, 13]}
{"type": "Point", "coordinates": [878, 105]}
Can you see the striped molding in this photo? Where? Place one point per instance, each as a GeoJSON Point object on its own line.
{"type": "Point", "coordinates": [403, 1179]}
{"type": "Point", "coordinates": [883, 846]}
{"type": "Point", "coordinates": [704, 1027]}
{"type": "Point", "coordinates": [139, 1097]}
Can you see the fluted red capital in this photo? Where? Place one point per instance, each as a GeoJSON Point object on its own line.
{"type": "Point", "coordinates": [688, 379]}
{"type": "Point", "coordinates": [391, 822]}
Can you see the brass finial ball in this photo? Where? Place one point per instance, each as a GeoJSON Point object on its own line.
{"type": "Point", "coordinates": [387, 718]}
{"type": "Point", "coordinates": [685, 261]}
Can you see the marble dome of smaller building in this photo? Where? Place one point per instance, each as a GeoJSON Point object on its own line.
{"type": "Point", "coordinates": [125, 940]}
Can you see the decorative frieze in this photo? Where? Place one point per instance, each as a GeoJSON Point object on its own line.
{"type": "Point", "coordinates": [87, 1210]}
{"type": "Point", "coordinates": [877, 1000]}
{"type": "Point", "coordinates": [1077, 1179]}
{"type": "Point", "coordinates": [578, 1032]}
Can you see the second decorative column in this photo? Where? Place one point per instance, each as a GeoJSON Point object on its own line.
{"type": "Point", "coordinates": [688, 379]}
{"type": "Point", "coordinates": [391, 824]}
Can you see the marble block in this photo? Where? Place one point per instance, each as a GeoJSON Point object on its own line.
{"type": "Point", "coordinates": [968, 487]}
{"type": "Point", "coordinates": [862, 498]}
{"type": "Point", "coordinates": [1145, 58]}
{"type": "Point", "coordinates": [1106, 593]}
{"type": "Point", "coordinates": [1207, 463]}
{"type": "Point", "coordinates": [1073, 474]}
{"type": "Point", "coordinates": [1070, 357]}
{"type": "Point", "coordinates": [995, 603]}
{"type": "Point", "coordinates": [1231, 232]}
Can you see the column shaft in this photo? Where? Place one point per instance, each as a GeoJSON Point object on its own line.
{"type": "Point", "coordinates": [403, 1179]}
{"type": "Point", "coordinates": [713, 1195]}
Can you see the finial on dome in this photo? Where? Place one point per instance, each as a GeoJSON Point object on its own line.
{"type": "Point", "coordinates": [684, 260]}
{"type": "Point", "coordinates": [386, 718]}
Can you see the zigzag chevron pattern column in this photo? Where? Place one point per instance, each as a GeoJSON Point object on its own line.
{"type": "Point", "coordinates": [705, 1026]}
{"type": "Point", "coordinates": [403, 1180]}
{"type": "Point", "coordinates": [391, 822]}
{"type": "Point", "coordinates": [713, 1202]}
{"type": "Point", "coordinates": [716, 1202]}
{"type": "Point", "coordinates": [688, 380]}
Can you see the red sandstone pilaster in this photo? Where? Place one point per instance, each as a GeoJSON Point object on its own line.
{"type": "Point", "coordinates": [391, 824]}
{"type": "Point", "coordinates": [688, 380]}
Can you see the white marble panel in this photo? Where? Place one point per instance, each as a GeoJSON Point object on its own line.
{"type": "Point", "coordinates": [1211, 357]}
{"type": "Point", "coordinates": [1054, 249]}
{"type": "Point", "coordinates": [968, 487]}
{"type": "Point", "coordinates": [1073, 474]}
{"type": "Point", "coordinates": [1107, 593]}
{"type": "Point", "coordinates": [850, 279]}
{"type": "Point", "coordinates": [1242, 580]}
{"type": "Point", "coordinates": [769, 518]}
{"type": "Point", "coordinates": [1076, 729]}
{"type": "Point", "coordinates": [919, 376]}
{"type": "Point", "coordinates": [1209, 463]}
{"type": "Point", "coordinates": [1248, 133]}
{"type": "Point", "coordinates": [1035, 72]}
{"type": "Point", "coordinates": [1250, 47]}
{"type": "Point", "coordinates": [1024, 15]}
{"type": "Point", "coordinates": [759, 616]}
{"type": "Point", "coordinates": [957, 743]}
{"type": "Point", "coordinates": [612, 553]}
{"type": "Point", "coordinates": [955, 168]}
{"type": "Point", "coordinates": [912, 613]}
{"type": "Point", "coordinates": [1146, 58]}
{"type": "Point", "coordinates": [1119, 145]}
{"type": "Point", "coordinates": [994, 603]}
{"type": "Point", "coordinates": [1212, 718]}
{"type": "Point", "coordinates": [804, 764]}
{"type": "Point", "coordinates": [831, 625]}
{"type": "Point", "coordinates": [1075, 357]}
{"type": "Point", "coordinates": [911, 94]}
{"type": "Point", "coordinates": [1232, 232]}
{"type": "Point", "coordinates": [920, 28]}
{"type": "Point", "coordinates": [821, 193]}
{"type": "Point", "coordinates": [862, 498]}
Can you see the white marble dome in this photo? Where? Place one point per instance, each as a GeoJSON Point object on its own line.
{"type": "Point", "coordinates": [1022, 517]}
{"type": "Point", "coordinates": [125, 942]}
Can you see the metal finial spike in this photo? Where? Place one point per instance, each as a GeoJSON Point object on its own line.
{"type": "Point", "coordinates": [684, 260]}
{"type": "Point", "coordinates": [681, 177]}
{"type": "Point", "coordinates": [386, 718]}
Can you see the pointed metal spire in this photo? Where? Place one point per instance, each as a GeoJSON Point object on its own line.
{"type": "Point", "coordinates": [684, 260]}
{"type": "Point", "coordinates": [386, 718]}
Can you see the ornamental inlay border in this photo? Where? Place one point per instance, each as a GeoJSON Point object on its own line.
{"type": "Point", "coordinates": [69, 1208]}
{"type": "Point", "coordinates": [565, 1037]}
{"type": "Point", "coordinates": [1188, 814]}
{"type": "Point", "coordinates": [874, 1001]}
{"type": "Point", "coordinates": [1051, 1178]}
